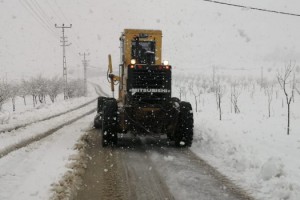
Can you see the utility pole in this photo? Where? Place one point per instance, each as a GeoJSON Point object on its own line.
{"type": "Point", "coordinates": [64, 44]}
{"type": "Point", "coordinates": [85, 63]}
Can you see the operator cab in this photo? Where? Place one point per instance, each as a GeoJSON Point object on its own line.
{"type": "Point", "coordinates": [143, 51]}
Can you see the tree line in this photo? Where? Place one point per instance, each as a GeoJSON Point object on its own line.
{"type": "Point", "coordinates": [37, 89]}
{"type": "Point", "coordinates": [286, 81]}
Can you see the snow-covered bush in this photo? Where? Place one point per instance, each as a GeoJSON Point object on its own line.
{"type": "Point", "coordinates": [24, 90]}
{"type": "Point", "coordinates": [33, 90]}
{"type": "Point", "coordinates": [75, 88]}
{"type": "Point", "coordinates": [42, 88]}
{"type": "Point", "coordinates": [55, 86]}
{"type": "Point", "coordinates": [3, 93]}
{"type": "Point", "coordinates": [13, 90]}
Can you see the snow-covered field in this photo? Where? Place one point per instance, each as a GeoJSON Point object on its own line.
{"type": "Point", "coordinates": [250, 148]}
{"type": "Point", "coordinates": [34, 171]}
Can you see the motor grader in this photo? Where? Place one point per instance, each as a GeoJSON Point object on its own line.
{"type": "Point", "coordinates": [144, 105]}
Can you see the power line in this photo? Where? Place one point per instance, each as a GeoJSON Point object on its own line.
{"type": "Point", "coordinates": [38, 19]}
{"type": "Point", "coordinates": [54, 12]}
{"type": "Point", "coordinates": [76, 36]}
{"type": "Point", "coordinates": [253, 8]}
{"type": "Point", "coordinates": [42, 12]}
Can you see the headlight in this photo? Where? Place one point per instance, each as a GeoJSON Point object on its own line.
{"type": "Point", "coordinates": [133, 61]}
{"type": "Point", "coordinates": [166, 62]}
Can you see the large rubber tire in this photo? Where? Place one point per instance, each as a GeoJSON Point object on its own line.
{"type": "Point", "coordinates": [98, 117]}
{"type": "Point", "coordinates": [98, 121]}
{"type": "Point", "coordinates": [109, 122]}
{"type": "Point", "coordinates": [100, 103]}
{"type": "Point", "coordinates": [185, 125]}
{"type": "Point", "coordinates": [175, 111]}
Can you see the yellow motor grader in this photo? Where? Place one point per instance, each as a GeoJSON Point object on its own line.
{"type": "Point", "coordinates": [144, 105]}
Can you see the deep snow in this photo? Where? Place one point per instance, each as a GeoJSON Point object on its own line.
{"type": "Point", "coordinates": [31, 172]}
{"type": "Point", "coordinates": [249, 147]}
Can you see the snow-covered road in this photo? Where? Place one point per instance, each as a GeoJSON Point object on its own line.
{"type": "Point", "coordinates": [15, 139]}
{"type": "Point", "coordinates": [30, 172]}
{"type": "Point", "coordinates": [148, 168]}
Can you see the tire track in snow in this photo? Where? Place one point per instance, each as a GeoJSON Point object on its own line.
{"type": "Point", "coordinates": [123, 172]}
{"type": "Point", "coordinates": [40, 136]}
{"type": "Point", "coordinates": [47, 118]}
{"type": "Point", "coordinates": [195, 172]}
{"type": "Point", "coordinates": [24, 142]}
{"type": "Point", "coordinates": [30, 172]}
{"type": "Point", "coordinates": [147, 168]}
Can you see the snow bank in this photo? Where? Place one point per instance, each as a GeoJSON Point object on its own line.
{"type": "Point", "coordinates": [251, 148]}
{"type": "Point", "coordinates": [67, 187]}
{"type": "Point", "coordinates": [272, 168]}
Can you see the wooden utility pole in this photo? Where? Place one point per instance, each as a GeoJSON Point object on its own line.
{"type": "Point", "coordinates": [64, 44]}
{"type": "Point", "coordinates": [85, 63]}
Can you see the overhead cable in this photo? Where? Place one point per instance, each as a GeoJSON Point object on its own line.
{"type": "Point", "coordinates": [253, 8]}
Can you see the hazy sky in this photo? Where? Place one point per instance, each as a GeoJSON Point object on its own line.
{"type": "Point", "coordinates": [197, 34]}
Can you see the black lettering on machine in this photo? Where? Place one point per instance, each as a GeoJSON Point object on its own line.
{"type": "Point", "coordinates": [149, 90]}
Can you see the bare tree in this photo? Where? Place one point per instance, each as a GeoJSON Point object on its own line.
{"type": "Point", "coordinates": [179, 89]}
{"type": "Point", "coordinates": [24, 90]}
{"type": "Point", "coordinates": [13, 90]}
{"type": "Point", "coordinates": [33, 90]}
{"type": "Point", "coordinates": [42, 88]}
{"type": "Point", "coordinates": [235, 93]}
{"type": "Point", "coordinates": [220, 91]}
{"type": "Point", "coordinates": [196, 91]}
{"type": "Point", "coordinates": [269, 93]}
{"type": "Point", "coordinates": [287, 83]}
{"type": "Point", "coordinates": [192, 90]}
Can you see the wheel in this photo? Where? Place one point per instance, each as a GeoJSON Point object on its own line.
{"type": "Point", "coordinates": [100, 103]}
{"type": "Point", "coordinates": [185, 125]}
{"type": "Point", "coordinates": [98, 121]}
{"type": "Point", "coordinates": [98, 117]}
{"type": "Point", "coordinates": [109, 122]}
{"type": "Point", "coordinates": [173, 112]}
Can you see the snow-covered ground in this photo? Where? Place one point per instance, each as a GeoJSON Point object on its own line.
{"type": "Point", "coordinates": [31, 172]}
{"type": "Point", "coordinates": [250, 148]}
{"type": "Point", "coordinates": [25, 114]}
{"type": "Point", "coordinates": [34, 171]}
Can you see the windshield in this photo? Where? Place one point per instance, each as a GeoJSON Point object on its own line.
{"type": "Point", "coordinates": [143, 51]}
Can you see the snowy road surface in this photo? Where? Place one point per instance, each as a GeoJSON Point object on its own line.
{"type": "Point", "coordinates": [29, 172]}
{"type": "Point", "coordinates": [18, 138]}
{"type": "Point", "coordinates": [147, 169]}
